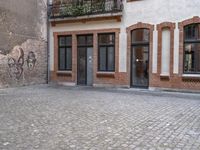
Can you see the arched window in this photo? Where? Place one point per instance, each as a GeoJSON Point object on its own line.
{"type": "Point", "coordinates": [192, 49]}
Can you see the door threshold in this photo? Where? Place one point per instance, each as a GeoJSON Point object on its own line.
{"type": "Point", "coordinates": [139, 87]}
{"type": "Point", "coordinates": [84, 85]}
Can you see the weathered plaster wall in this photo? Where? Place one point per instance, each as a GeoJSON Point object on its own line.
{"type": "Point", "coordinates": [23, 42]}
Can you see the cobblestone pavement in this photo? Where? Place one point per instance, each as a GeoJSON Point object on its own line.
{"type": "Point", "coordinates": [64, 118]}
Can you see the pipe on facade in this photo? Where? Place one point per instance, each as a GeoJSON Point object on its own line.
{"type": "Point", "coordinates": [48, 46]}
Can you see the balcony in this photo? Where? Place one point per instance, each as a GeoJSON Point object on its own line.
{"type": "Point", "coordinates": [85, 10]}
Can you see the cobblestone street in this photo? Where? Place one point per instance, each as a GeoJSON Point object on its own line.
{"type": "Point", "coordinates": [79, 118]}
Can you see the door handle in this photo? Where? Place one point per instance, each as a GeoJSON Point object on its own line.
{"type": "Point", "coordinates": [139, 60]}
{"type": "Point", "coordinates": [90, 59]}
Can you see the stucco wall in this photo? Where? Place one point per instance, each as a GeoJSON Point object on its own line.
{"type": "Point", "coordinates": [146, 11]}
{"type": "Point", "coordinates": [23, 42]}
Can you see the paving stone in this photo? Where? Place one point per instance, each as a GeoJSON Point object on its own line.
{"type": "Point", "coordinates": [64, 118]}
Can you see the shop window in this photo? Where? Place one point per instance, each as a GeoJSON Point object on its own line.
{"type": "Point", "coordinates": [106, 52]}
{"type": "Point", "coordinates": [65, 53]}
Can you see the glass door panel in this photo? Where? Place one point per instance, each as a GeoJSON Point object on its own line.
{"type": "Point", "coordinates": [82, 63]}
{"type": "Point", "coordinates": [140, 66]}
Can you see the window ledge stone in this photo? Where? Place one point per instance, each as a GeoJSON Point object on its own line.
{"type": "Point", "coordinates": [106, 74]}
{"type": "Point", "coordinates": [191, 75]}
{"type": "Point", "coordinates": [164, 76]}
{"type": "Point", "coordinates": [64, 73]}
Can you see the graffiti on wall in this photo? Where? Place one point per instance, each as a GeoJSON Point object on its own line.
{"type": "Point", "coordinates": [31, 60]}
{"type": "Point", "coordinates": [16, 62]}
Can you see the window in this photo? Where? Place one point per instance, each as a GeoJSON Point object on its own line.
{"type": "Point", "coordinates": [106, 61]}
{"type": "Point", "coordinates": [65, 53]}
{"type": "Point", "coordinates": [192, 48]}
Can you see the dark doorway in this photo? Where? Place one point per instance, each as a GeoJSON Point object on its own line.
{"type": "Point", "coordinates": [85, 60]}
{"type": "Point", "coordinates": [140, 58]}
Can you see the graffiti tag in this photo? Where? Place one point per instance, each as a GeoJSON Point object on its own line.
{"type": "Point", "coordinates": [16, 62]}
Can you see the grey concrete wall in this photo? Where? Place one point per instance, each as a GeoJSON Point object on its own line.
{"type": "Point", "coordinates": [23, 42]}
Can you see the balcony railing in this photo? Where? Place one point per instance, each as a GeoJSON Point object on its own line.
{"type": "Point", "coordinates": [92, 7]}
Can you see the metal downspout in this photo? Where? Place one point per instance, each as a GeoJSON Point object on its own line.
{"type": "Point", "coordinates": [48, 44]}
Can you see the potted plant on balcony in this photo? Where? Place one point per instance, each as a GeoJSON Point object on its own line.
{"type": "Point", "coordinates": [98, 6]}
{"type": "Point", "coordinates": [74, 9]}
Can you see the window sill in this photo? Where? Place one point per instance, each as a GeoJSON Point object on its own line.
{"type": "Point", "coordinates": [164, 76]}
{"type": "Point", "coordinates": [106, 74]}
{"type": "Point", "coordinates": [64, 73]}
{"type": "Point", "coordinates": [189, 77]}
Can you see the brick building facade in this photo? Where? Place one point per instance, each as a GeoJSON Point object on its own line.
{"type": "Point", "coordinates": [151, 44]}
{"type": "Point", "coordinates": [148, 44]}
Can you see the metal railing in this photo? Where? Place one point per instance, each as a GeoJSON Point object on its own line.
{"type": "Point", "coordinates": [92, 7]}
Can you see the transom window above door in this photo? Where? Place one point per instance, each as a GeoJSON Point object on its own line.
{"type": "Point", "coordinates": [192, 49]}
{"type": "Point", "coordinates": [140, 36]}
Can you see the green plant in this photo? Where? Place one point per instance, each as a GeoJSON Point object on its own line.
{"type": "Point", "coordinates": [79, 10]}
{"type": "Point", "coordinates": [66, 10]}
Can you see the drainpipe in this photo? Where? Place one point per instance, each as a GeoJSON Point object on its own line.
{"type": "Point", "coordinates": [48, 42]}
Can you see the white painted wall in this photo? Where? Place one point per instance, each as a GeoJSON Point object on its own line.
{"type": "Point", "coordinates": [155, 51]}
{"type": "Point", "coordinates": [147, 11]}
{"type": "Point", "coordinates": [165, 63]}
{"type": "Point", "coordinates": [176, 49]}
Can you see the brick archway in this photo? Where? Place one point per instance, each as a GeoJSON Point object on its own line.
{"type": "Point", "coordinates": [139, 25]}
